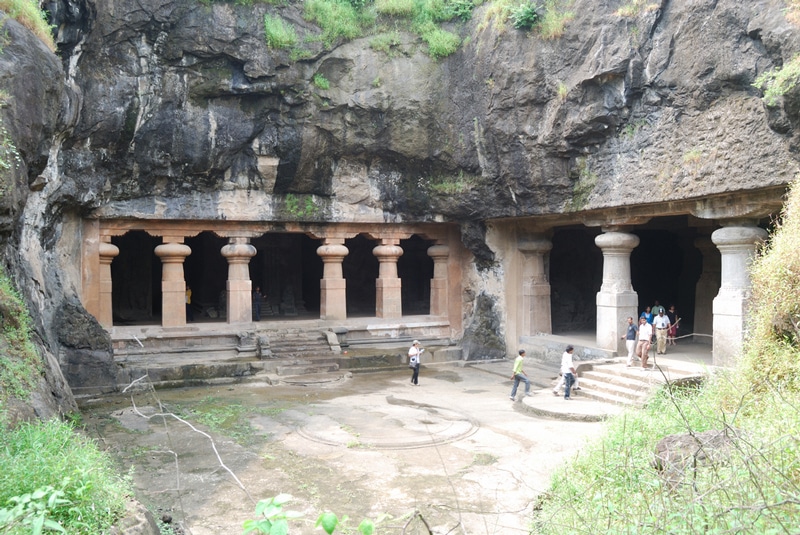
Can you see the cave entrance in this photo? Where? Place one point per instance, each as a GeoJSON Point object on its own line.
{"type": "Point", "coordinates": [136, 272]}
{"type": "Point", "coordinates": [288, 269]}
{"type": "Point", "coordinates": [665, 266]}
{"type": "Point", "coordinates": [415, 269]}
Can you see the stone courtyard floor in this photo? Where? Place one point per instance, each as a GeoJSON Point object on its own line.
{"type": "Point", "coordinates": [456, 449]}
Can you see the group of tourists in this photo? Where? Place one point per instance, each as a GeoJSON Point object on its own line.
{"type": "Point", "coordinates": [654, 321]}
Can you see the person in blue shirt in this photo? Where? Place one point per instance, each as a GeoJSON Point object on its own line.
{"type": "Point", "coordinates": [647, 315]}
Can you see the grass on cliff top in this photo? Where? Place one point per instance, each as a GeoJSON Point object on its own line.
{"type": "Point", "coordinates": [350, 19]}
{"type": "Point", "coordinates": [27, 13]}
{"type": "Point", "coordinates": [613, 486]}
{"type": "Point", "coordinates": [20, 364]}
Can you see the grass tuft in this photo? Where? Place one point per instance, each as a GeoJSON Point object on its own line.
{"type": "Point", "coordinates": [27, 13]}
{"type": "Point", "coordinates": [45, 460]}
{"type": "Point", "coordinates": [20, 364]}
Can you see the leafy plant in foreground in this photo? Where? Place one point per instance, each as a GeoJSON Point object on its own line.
{"type": "Point", "coordinates": [35, 458]}
{"type": "Point", "coordinates": [33, 509]}
{"type": "Point", "coordinates": [275, 520]}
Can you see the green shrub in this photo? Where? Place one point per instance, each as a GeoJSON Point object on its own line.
{"type": "Point", "coordinates": [524, 16]}
{"type": "Point", "coordinates": [338, 19]}
{"type": "Point", "coordinates": [772, 351]}
{"type": "Point", "coordinates": [20, 364]}
{"type": "Point", "coordinates": [279, 33]}
{"type": "Point", "coordinates": [777, 82]}
{"type": "Point", "coordinates": [396, 8]}
{"type": "Point", "coordinates": [87, 494]}
{"type": "Point", "coordinates": [459, 9]}
{"type": "Point", "coordinates": [441, 43]}
{"type": "Point", "coordinates": [27, 13]}
{"type": "Point", "coordinates": [615, 483]}
{"type": "Point", "coordinates": [321, 82]}
{"type": "Point", "coordinates": [386, 42]}
{"type": "Point", "coordinates": [555, 18]}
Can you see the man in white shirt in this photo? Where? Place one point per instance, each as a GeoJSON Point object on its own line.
{"type": "Point", "coordinates": [661, 325]}
{"type": "Point", "coordinates": [568, 370]}
{"type": "Point", "coordinates": [645, 336]}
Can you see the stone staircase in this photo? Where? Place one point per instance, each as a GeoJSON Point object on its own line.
{"type": "Point", "coordinates": [292, 352]}
{"type": "Point", "coordinates": [613, 382]}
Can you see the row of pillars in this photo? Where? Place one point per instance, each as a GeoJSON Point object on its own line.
{"type": "Point", "coordinates": [617, 300]}
{"type": "Point", "coordinates": [239, 251]}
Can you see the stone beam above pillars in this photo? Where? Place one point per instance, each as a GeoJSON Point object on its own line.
{"type": "Point", "coordinates": [238, 252]}
{"type": "Point", "coordinates": [616, 300]}
{"type": "Point", "coordinates": [535, 314]}
{"type": "Point", "coordinates": [737, 241]}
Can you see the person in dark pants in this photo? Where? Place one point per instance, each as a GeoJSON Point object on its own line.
{"type": "Point", "coordinates": [258, 297]}
{"type": "Point", "coordinates": [568, 370]}
{"type": "Point", "coordinates": [414, 353]}
{"type": "Point", "coordinates": [518, 375]}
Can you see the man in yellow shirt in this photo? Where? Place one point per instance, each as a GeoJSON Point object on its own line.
{"type": "Point", "coordinates": [519, 375]}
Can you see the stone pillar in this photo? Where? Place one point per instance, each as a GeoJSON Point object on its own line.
{"type": "Point", "coordinates": [737, 241]}
{"type": "Point", "coordinates": [333, 286]}
{"type": "Point", "coordinates": [173, 286]}
{"type": "Point", "coordinates": [616, 300]}
{"type": "Point", "coordinates": [389, 303]}
{"type": "Point", "coordinates": [535, 314]}
{"type": "Point", "coordinates": [439, 282]}
{"type": "Point", "coordinates": [238, 251]}
{"type": "Point", "coordinates": [105, 316]}
{"type": "Point", "coordinates": [706, 289]}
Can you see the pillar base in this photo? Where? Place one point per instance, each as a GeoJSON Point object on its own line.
{"type": "Point", "coordinates": [613, 311]}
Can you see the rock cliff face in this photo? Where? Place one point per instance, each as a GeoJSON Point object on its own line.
{"type": "Point", "coordinates": [159, 107]}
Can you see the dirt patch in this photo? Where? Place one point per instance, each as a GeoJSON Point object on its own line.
{"type": "Point", "coordinates": [453, 449]}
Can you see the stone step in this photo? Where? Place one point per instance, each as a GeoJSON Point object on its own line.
{"type": "Point", "coordinates": [591, 387]}
{"type": "Point", "coordinates": [610, 398]}
{"type": "Point", "coordinates": [306, 369]}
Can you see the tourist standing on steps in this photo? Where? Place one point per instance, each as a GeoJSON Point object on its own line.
{"type": "Point", "coordinates": [519, 375]}
{"type": "Point", "coordinates": [656, 308]}
{"type": "Point", "coordinates": [414, 353]}
{"type": "Point", "coordinates": [661, 325]}
{"type": "Point", "coordinates": [630, 340]}
{"type": "Point", "coordinates": [568, 370]}
{"type": "Point", "coordinates": [645, 338]}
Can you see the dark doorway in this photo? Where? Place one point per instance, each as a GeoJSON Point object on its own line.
{"type": "Point", "coordinates": [360, 268]}
{"type": "Point", "coordinates": [288, 269]}
{"type": "Point", "coordinates": [666, 267]}
{"type": "Point", "coordinates": [136, 276]}
{"type": "Point", "coordinates": [576, 274]}
{"type": "Point", "coordinates": [415, 269]}
{"type": "Point", "coordinates": [206, 272]}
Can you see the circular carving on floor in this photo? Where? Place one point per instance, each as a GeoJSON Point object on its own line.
{"type": "Point", "coordinates": [395, 424]}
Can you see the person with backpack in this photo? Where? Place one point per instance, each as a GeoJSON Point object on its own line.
{"type": "Point", "coordinates": [414, 353]}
